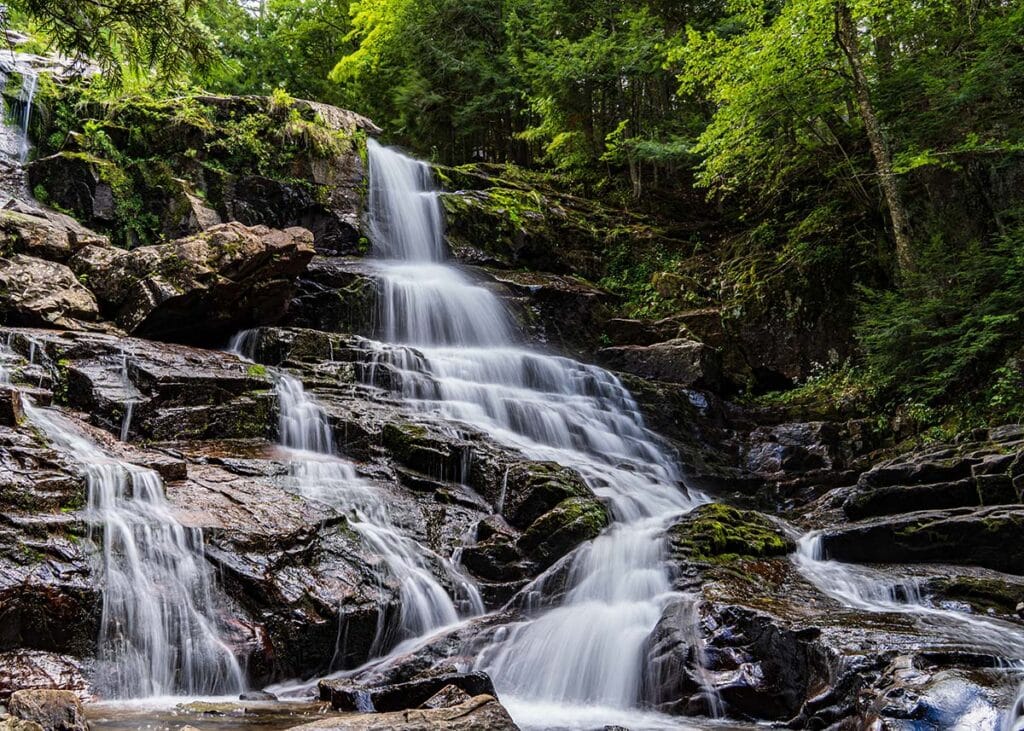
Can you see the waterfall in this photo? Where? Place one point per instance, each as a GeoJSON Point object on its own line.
{"type": "Point", "coordinates": [1014, 720]}
{"type": "Point", "coordinates": [16, 141]}
{"type": "Point", "coordinates": [158, 630]}
{"type": "Point", "coordinates": [29, 82]}
{"type": "Point", "coordinates": [318, 473]}
{"type": "Point", "coordinates": [868, 590]}
{"type": "Point", "coordinates": [454, 347]}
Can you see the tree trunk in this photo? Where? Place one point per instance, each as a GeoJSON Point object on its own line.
{"type": "Point", "coordinates": [846, 35]}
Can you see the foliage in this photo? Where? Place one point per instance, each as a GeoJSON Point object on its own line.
{"type": "Point", "coordinates": [951, 332]}
{"type": "Point", "coordinates": [288, 44]}
{"type": "Point", "coordinates": [140, 36]}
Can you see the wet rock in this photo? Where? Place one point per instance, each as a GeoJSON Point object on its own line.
{"type": "Point", "coordinates": [257, 200]}
{"type": "Point", "coordinates": [750, 662]}
{"type": "Point", "coordinates": [685, 362]}
{"type": "Point", "coordinates": [533, 488]}
{"type": "Point", "coordinates": [343, 695]}
{"type": "Point", "coordinates": [10, 723]}
{"type": "Point", "coordinates": [982, 537]}
{"type": "Point", "coordinates": [257, 695]}
{"type": "Point", "coordinates": [482, 713]}
{"type": "Point", "coordinates": [207, 286]}
{"type": "Point", "coordinates": [564, 311]}
{"type": "Point", "coordinates": [11, 412]}
{"type": "Point", "coordinates": [34, 670]}
{"type": "Point", "coordinates": [561, 529]}
{"type": "Point", "coordinates": [54, 710]}
{"type": "Point", "coordinates": [426, 450]}
{"type": "Point", "coordinates": [496, 559]}
{"type": "Point", "coordinates": [336, 295]}
{"type": "Point", "coordinates": [38, 293]}
{"type": "Point", "coordinates": [175, 391]}
{"type": "Point", "coordinates": [717, 532]}
{"type": "Point", "coordinates": [48, 598]}
{"type": "Point", "coordinates": [947, 476]}
{"type": "Point", "coordinates": [294, 566]}
{"type": "Point", "coordinates": [448, 696]}
{"type": "Point", "coordinates": [987, 594]}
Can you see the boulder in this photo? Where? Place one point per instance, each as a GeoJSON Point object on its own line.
{"type": "Point", "coordinates": [186, 213]}
{"type": "Point", "coordinates": [718, 533]}
{"type": "Point", "coordinates": [482, 713]}
{"type": "Point", "coordinates": [79, 183]}
{"type": "Point", "coordinates": [685, 362]}
{"type": "Point", "coordinates": [203, 287]}
{"type": "Point", "coordinates": [448, 696]}
{"type": "Point", "coordinates": [24, 234]}
{"type": "Point", "coordinates": [562, 528]}
{"type": "Point", "coordinates": [988, 537]}
{"type": "Point", "coordinates": [533, 488]}
{"type": "Point", "coordinates": [751, 664]}
{"type": "Point", "coordinates": [38, 293]}
{"type": "Point", "coordinates": [54, 710]}
{"type": "Point", "coordinates": [32, 669]}
{"type": "Point", "coordinates": [335, 295]}
{"type": "Point", "coordinates": [344, 695]}
{"type": "Point", "coordinates": [11, 412]}
{"type": "Point", "coordinates": [258, 200]}
{"type": "Point", "coordinates": [564, 311]}
{"type": "Point", "coordinates": [48, 223]}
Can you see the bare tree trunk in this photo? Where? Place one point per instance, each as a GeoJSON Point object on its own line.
{"type": "Point", "coordinates": [846, 35]}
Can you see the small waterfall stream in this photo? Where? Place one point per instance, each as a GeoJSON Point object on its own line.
{"type": "Point", "coordinates": [868, 590]}
{"type": "Point", "coordinates": [14, 131]}
{"type": "Point", "coordinates": [318, 473]}
{"type": "Point", "coordinates": [453, 345]}
{"type": "Point", "coordinates": [158, 631]}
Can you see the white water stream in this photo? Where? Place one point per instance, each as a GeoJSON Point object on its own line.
{"type": "Point", "coordinates": [318, 473]}
{"type": "Point", "coordinates": [869, 590]}
{"type": "Point", "coordinates": [453, 344]}
{"type": "Point", "coordinates": [158, 631]}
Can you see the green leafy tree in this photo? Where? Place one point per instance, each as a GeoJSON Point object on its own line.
{"type": "Point", "coordinates": [281, 44]}
{"type": "Point", "coordinates": [143, 36]}
{"type": "Point", "coordinates": [436, 75]}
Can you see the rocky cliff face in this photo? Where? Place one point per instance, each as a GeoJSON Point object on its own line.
{"type": "Point", "coordinates": [109, 330]}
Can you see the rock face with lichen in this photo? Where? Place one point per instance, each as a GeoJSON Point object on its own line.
{"type": "Point", "coordinates": [207, 286]}
{"type": "Point", "coordinates": [154, 169]}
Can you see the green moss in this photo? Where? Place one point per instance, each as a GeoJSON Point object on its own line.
{"type": "Point", "coordinates": [257, 371]}
{"type": "Point", "coordinates": [720, 533]}
{"type": "Point", "coordinates": [982, 594]}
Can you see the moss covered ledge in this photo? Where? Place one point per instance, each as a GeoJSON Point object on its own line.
{"type": "Point", "coordinates": [717, 533]}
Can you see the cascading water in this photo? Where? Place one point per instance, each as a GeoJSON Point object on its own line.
{"type": "Point", "coordinates": [866, 589]}
{"type": "Point", "coordinates": [158, 631]}
{"type": "Point", "coordinates": [14, 137]}
{"type": "Point", "coordinates": [452, 344]}
{"type": "Point", "coordinates": [317, 473]}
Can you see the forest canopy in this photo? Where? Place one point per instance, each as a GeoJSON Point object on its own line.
{"type": "Point", "coordinates": [814, 151]}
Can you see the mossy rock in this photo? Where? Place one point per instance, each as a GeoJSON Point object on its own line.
{"type": "Point", "coordinates": [562, 528]}
{"type": "Point", "coordinates": [533, 488]}
{"type": "Point", "coordinates": [423, 450]}
{"type": "Point", "coordinates": [720, 533]}
{"type": "Point", "coordinates": [982, 594]}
